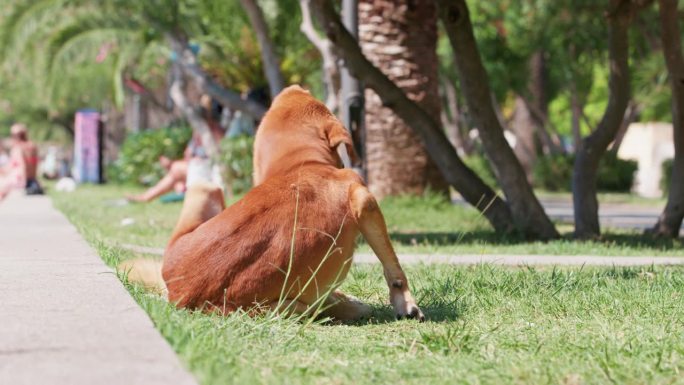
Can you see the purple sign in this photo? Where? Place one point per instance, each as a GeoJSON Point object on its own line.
{"type": "Point", "coordinates": [87, 147]}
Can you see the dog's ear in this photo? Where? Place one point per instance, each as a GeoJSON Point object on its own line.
{"type": "Point", "coordinates": [336, 134]}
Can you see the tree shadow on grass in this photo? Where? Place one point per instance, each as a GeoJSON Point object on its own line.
{"type": "Point", "coordinates": [447, 238]}
{"type": "Point", "coordinates": [489, 237]}
{"type": "Point", "coordinates": [382, 314]}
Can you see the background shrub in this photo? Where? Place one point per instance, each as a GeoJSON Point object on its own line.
{"type": "Point", "coordinates": [138, 160]}
{"type": "Point", "coordinates": [666, 176]}
{"type": "Point", "coordinates": [614, 174]}
{"type": "Point", "coordinates": [554, 173]}
{"type": "Point", "coordinates": [236, 154]}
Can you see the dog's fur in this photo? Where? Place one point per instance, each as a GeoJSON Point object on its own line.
{"type": "Point", "coordinates": [300, 221]}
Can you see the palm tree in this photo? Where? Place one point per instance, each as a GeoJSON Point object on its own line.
{"type": "Point", "coordinates": [400, 38]}
{"type": "Point", "coordinates": [56, 42]}
{"type": "Point", "coordinates": [75, 53]}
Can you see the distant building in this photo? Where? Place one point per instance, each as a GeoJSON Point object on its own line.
{"type": "Point", "coordinates": [650, 144]}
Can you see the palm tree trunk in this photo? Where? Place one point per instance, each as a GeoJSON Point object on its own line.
{"type": "Point", "coordinates": [670, 220]}
{"type": "Point", "coordinates": [400, 39]}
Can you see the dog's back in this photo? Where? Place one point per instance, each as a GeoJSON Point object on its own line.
{"type": "Point", "coordinates": [245, 252]}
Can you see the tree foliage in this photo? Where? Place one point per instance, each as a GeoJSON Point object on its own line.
{"type": "Point", "coordinates": [62, 55]}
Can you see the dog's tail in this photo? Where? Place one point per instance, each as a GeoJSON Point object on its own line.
{"type": "Point", "coordinates": [145, 271]}
{"type": "Point", "coordinates": [202, 202]}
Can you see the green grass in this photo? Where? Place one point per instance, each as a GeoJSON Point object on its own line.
{"type": "Point", "coordinates": [415, 225]}
{"type": "Point", "coordinates": [486, 324]}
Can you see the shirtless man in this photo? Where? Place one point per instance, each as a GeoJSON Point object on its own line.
{"type": "Point", "coordinates": [174, 180]}
{"type": "Point", "coordinates": [23, 164]}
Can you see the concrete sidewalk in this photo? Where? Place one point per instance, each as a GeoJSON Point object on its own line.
{"type": "Point", "coordinates": [66, 318]}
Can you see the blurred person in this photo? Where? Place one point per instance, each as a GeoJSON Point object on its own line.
{"type": "Point", "coordinates": [173, 181]}
{"type": "Point", "coordinates": [200, 166]}
{"type": "Point", "coordinates": [4, 161]}
{"type": "Point", "coordinates": [241, 124]}
{"type": "Point", "coordinates": [49, 167]}
{"type": "Point", "coordinates": [4, 154]}
{"type": "Point", "coordinates": [195, 165]}
{"type": "Point", "coordinates": [21, 171]}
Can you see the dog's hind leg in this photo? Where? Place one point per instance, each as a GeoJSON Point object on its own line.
{"type": "Point", "coordinates": [343, 307]}
{"type": "Point", "coordinates": [372, 225]}
{"type": "Point", "coordinates": [202, 202]}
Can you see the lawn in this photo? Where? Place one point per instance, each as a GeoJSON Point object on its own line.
{"type": "Point", "coordinates": [486, 324]}
{"type": "Point", "coordinates": [415, 225]}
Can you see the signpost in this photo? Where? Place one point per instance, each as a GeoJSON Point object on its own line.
{"type": "Point", "coordinates": [88, 147]}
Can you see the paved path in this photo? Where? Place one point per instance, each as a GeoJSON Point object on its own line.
{"type": "Point", "coordinates": [523, 260]}
{"type": "Point", "coordinates": [64, 316]}
{"type": "Point", "coordinates": [615, 215]}
{"type": "Point", "coordinates": [496, 259]}
{"type": "Point", "coordinates": [611, 215]}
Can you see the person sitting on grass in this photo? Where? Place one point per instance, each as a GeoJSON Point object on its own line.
{"type": "Point", "coordinates": [22, 169]}
{"type": "Point", "coordinates": [193, 167]}
{"type": "Point", "coordinates": [174, 180]}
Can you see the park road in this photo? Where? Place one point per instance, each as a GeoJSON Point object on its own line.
{"type": "Point", "coordinates": [65, 317]}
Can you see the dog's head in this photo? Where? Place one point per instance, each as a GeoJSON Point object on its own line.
{"type": "Point", "coordinates": [299, 129]}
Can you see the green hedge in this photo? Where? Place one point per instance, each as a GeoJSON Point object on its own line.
{"type": "Point", "coordinates": [138, 160]}
{"type": "Point", "coordinates": [554, 173]}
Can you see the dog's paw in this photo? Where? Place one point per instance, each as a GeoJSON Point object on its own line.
{"type": "Point", "coordinates": [410, 311]}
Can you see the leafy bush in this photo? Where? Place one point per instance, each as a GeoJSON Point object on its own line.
{"type": "Point", "coordinates": [480, 165]}
{"type": "Point", "coordinates": [138, 160]}
{"type": "Point", "coordinates": [666, 176]}
{"type": "Point", "coordinates": [554, 173]}
{"type": "Point", "coordinates": [616, 175]}
{"type": "Point", "coordinates": [236, 154]}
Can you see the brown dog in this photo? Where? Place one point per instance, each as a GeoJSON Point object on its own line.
{"type": "Point", "coordinates": [292, 236]}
